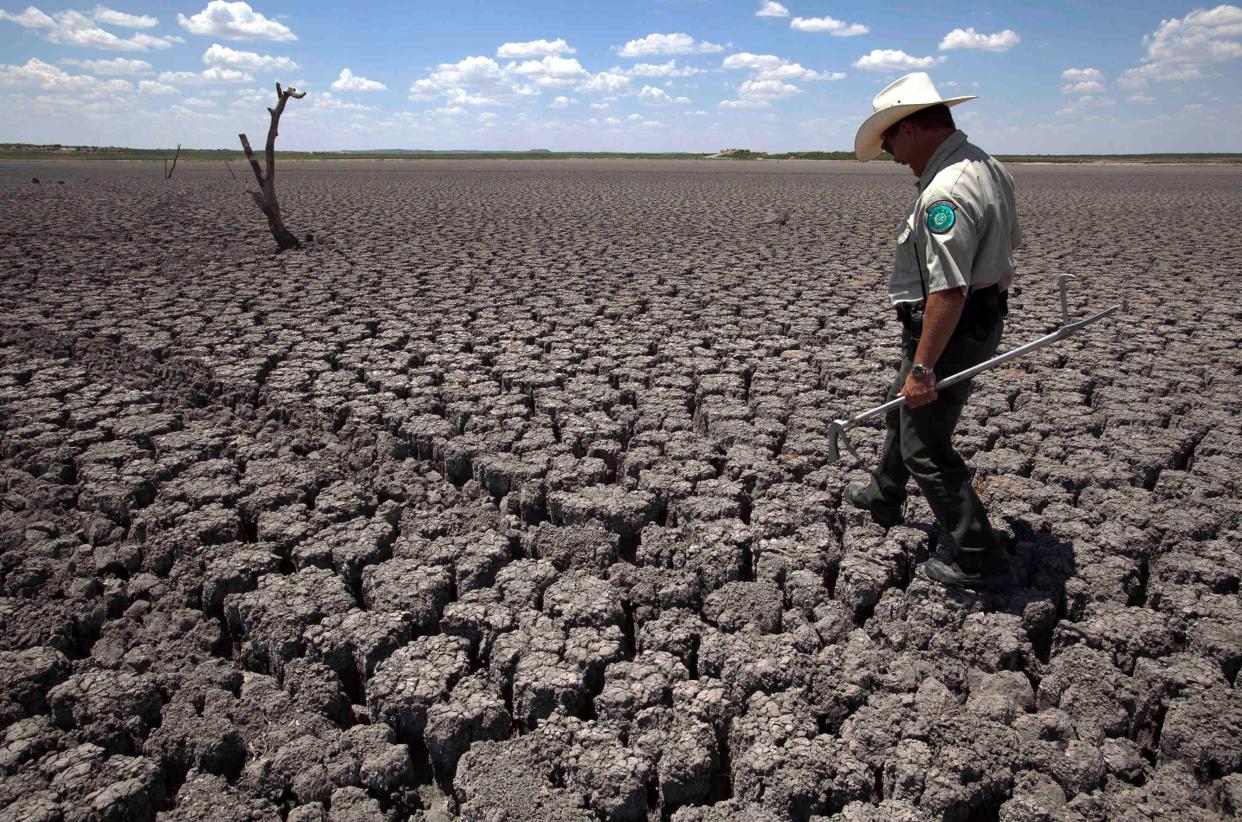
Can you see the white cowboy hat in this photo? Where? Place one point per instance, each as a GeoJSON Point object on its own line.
{"type": "Point", "coordinates": [899, 99]}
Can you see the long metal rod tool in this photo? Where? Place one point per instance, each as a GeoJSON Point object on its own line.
{"type": "Point", "coordinates": [837, 428]}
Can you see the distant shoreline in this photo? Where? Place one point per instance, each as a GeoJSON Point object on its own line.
{"type": "Point", "coordinates": [30, 152]}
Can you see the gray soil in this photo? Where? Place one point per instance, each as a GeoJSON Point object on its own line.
{"type": "Point", "coordinates": [507, 498]}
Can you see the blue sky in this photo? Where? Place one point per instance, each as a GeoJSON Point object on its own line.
{"type": "Point", "coordinates": [644, 75]}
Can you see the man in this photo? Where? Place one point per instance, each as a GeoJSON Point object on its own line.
{"type": "Point", "coordinates": [949, 285]}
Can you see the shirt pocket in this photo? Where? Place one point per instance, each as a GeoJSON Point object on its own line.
{"type": "Point", "coordinates": [905, 229]}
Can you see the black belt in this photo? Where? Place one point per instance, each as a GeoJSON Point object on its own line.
{"type": "Point", "coordinates": [983, 308]}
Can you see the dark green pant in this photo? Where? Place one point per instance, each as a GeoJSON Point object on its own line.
{"type": "Point", "coordinates": [918, 443]}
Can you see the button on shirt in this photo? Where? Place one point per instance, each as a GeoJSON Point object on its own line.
{"type": "Point", "coordinates": [962, 229]}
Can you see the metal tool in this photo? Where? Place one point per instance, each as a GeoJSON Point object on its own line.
{"type": "Point", "coordinates": [837, 428]}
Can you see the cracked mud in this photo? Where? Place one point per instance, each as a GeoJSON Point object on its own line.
{"type": "Point", "coordinates": [506, 498]}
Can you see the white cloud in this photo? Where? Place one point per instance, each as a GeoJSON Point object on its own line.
{"type": "Point", "coordinates": [1077, 75]}
{"type": "Point", "coordinates": [31, 18]}
{"type": "Point", "coordinates": [534, 48]}
{"type": "Point", "coordinates": [894, 60]}
{"type": "Point", "coordinates": [612, 81]}
{"type": "Point", "coordinates": [154, 87]}
{"type": "Point", "coordinates": [563, 101]}
{"type": "Point", "coordinates": [771, 67]}
{"type": "Point", "coordinates": [837, 28]}
{"type": "Point", "coordinates": [678, 43]}
{"type": "Point", "coordinates": [968, 38]}
{"type": "Point", "coordinates": [1082, 81]}
{"type": "Point", "coordinates": [1141, 99]}
{"type": "Point", "coordinates": [214, 74]}
{"type": "Point", "coordinates": [612, 121]}
{"type": "Point", "coordinates": [198, 102]}
{"type": "Point", "coordinates": [1084, 87]}
{"type": "Point", "coordinates": [115, 67]}
{"type": "Point", "coordinates": [471, 81]}
{"type": "Point", "coordinates": [767, 90]}
{"type": "Point", "coordinates": [111, 17]}
{"type": "Point", "coordinates": [234, 21]}
{"type": "Point", "coordinates": [36, 74]}
{"type": "Point", "coordinates": [551, 71]}
{"type": "Point", "coordinates": [324, 101]}
{"type": "Point", "coordinates": [348, 81]}
{"type": "Point", "coordinates": [744, 104]}
{"type": "Point", "coordinates": [1183, 49]}
{"type": "Point", "coordinates": [669, 69]}
{"type": "Point", "coordinates": [600, 106]}
{"type": "Point", "coordinates": [654, 96]}
{"type": "Point", "coordinates": [1085, 104]}
{"type": "Point", "coordinates": [770, 8]}
{"type": "Point", "coordinates": [218, 55]}
{"type": "Point", "coordinates": [73, 28]}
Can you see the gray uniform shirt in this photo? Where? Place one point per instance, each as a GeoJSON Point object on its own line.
{"type": "Point", "coordinates": [962, 229]}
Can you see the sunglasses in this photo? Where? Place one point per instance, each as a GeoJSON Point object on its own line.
{"type": "Point", "coordinates": [888, 135]}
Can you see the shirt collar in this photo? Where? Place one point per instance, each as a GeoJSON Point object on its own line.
{"type": "Point", "coordinates": [951, 144]}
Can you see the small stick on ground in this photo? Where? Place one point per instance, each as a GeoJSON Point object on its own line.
{"type": "Point", "coordinates": [168, 172]}
{"type": "Point", "coordinates": [230, 168]}
{"type": "Point", "coordinates": [265, 197]}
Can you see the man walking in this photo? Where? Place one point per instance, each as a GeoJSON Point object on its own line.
{"type": "Point", "coordinates": [949, 285]}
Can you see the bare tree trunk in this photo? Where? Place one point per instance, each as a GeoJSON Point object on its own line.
{"type": "Point", "coordinates": [168, 172]}
{"type": "Point", "coordinates": [265, 197]}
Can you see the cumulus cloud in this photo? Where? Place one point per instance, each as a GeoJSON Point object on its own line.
{"type": "Point", "coordinates": [771, 67]}
{"type": "Point", "coordinates": [218, 55]}
{"type": "Point", "coordinates": [759, 93]}
{"type": "Point", "coordinates": [111, 17]}
{"type": "Point", "coordinates": [968, 38]}
{"type": "Point", "coordinates": [770, 8]}
{"type": "Point", "coordinates": [117, 66]}
{"type": "Point", "coordinates": [155, 87]}
{"type": "Point", "coordinates": [482, 81]}
{"type": "Point", "coordinates": [234, 21]}
{"type": "Point", "coordinates": [1086, 104]}
{"type": "Point", "coordinates": [612, 81]}
{"type": "Point", "coordinates": [534, 48]}
{"type": "Point", "coordinates": [74, 28]}
{"type": "Point", "coordinates": [213, 74]}
{"type": "Point", "coordinates": [669, 69]}
{"type": "Point", "coordinates": [31, 18]}
{"type": "Point", "coordinates": [837, 28]}
{"type": "Point", "coordinates": [36, 74]}
{"type": "Point", "coordinates": [552, 71]}
{"type": "Point", "coordinates": [348, 81]}
{"type": "Point", "coordinates": [895, 60]}
{"type": "Point", "coordinates": [472, 80]}
{"type": "Point", "coordinates": [1184, 48]}
{"type": "Point", "coordinates": [562, 101]}
{"type": "Point", "coordinates": [655, 96]}
{"type": "Point", "coordinates": [1140, 99]}
{"type": "Point", "coordinates": [1082, 81]}
{"type": "Point", "coordinates": [659, 44]}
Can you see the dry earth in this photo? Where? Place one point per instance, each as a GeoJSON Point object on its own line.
{"type": "Point", "coordinates": [507, 498]}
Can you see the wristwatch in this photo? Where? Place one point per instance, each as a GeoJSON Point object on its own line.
{"type": "Point", "coordinates": [920, 371]}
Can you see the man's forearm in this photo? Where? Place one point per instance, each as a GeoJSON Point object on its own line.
{"type": "Point", "coordinates": [940, 317]}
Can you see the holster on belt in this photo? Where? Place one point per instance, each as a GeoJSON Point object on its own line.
{"type": "Point", "coordinates": [983, 309]}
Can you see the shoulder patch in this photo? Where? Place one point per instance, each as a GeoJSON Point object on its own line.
{"type": "Point", "coordinates": [941, 215]}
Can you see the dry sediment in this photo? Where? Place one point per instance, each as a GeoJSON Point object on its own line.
{"type": "Point", "coordinates": [507, 498]}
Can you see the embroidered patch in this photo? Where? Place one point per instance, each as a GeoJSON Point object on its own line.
{"type": "Point", "coordinates": [941, 216]}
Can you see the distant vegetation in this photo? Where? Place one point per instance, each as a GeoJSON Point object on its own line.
{"type": "Point", "coordinates": [25, 151]}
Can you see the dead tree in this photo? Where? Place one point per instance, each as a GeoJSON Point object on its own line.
{"type": "Point", "coordinates": [168, 172]}
{"type": "Point", "coordinates": [265, 197]}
